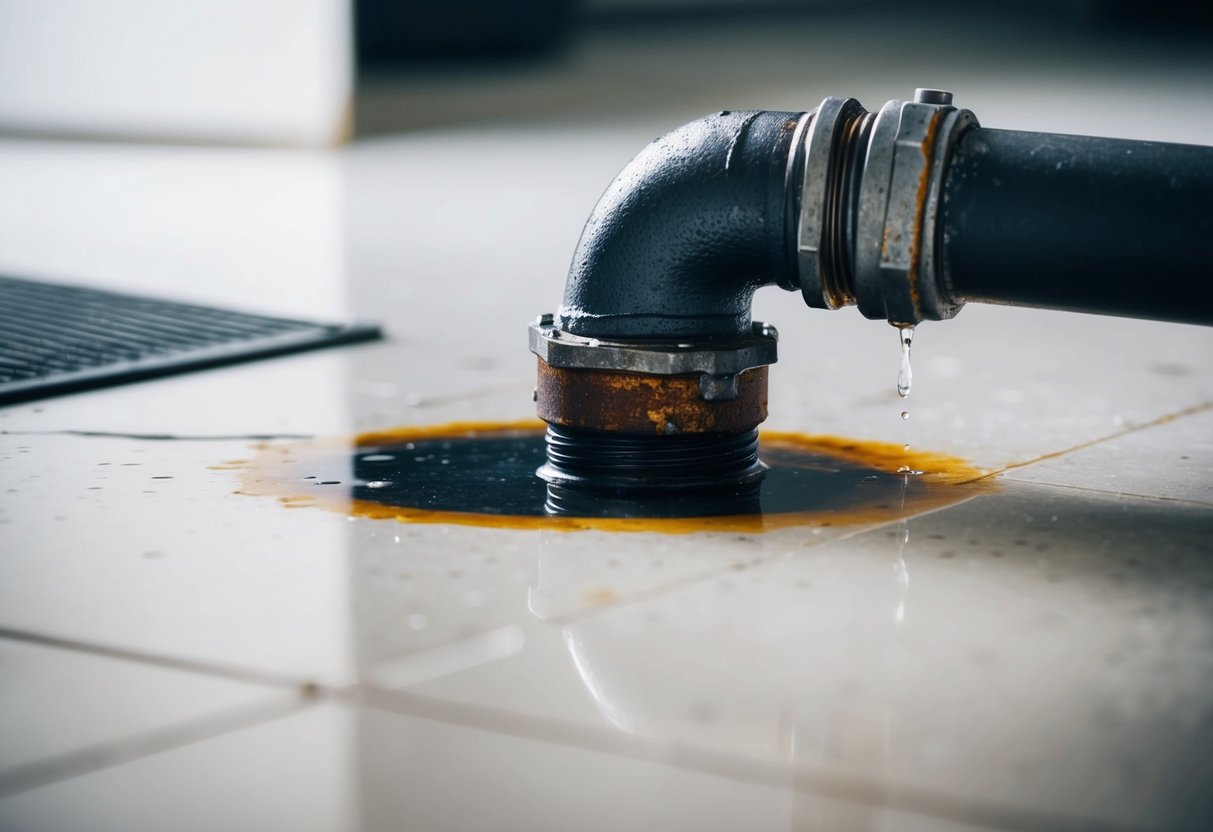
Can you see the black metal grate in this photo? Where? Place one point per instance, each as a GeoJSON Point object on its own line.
{"type": "Point", "coordinates": [58, 339]}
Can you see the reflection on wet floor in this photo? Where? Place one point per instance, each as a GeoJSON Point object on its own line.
{"type": "Point", "coordinates": [484, 474]}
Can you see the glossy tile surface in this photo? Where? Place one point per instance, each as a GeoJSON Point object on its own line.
{"type": "Point", "coordinates": [1039, 657]}
{"type": "Point", "coordinates": [187, 569]}
{"type": "Point", "coordinates": [64, 711]}
{"type": "Point", "coordinates": [1066, 630]}
{"type": "Point", "coordinates": [425, 774]}
{"type": "Point", "coordinates": [1173, 461]}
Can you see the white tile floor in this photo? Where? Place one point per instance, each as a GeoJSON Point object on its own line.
{"type": "Point", "coordinates": [175, 655]}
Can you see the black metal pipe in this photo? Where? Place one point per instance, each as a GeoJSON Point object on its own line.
{"type": "Point", "coordinates": [906, 213]}
{"type": "Point", "coordinates": [1079, 223]}
{"type": "Point", "coordinates": [691, 227]}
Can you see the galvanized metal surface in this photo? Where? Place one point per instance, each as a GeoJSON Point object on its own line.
{"type": "Point", "coordinates": [718, 362]}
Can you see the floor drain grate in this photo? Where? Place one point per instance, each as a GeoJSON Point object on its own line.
{"type": "Point", "coordinates": [58, 339]}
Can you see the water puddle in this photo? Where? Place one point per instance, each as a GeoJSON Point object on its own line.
{"type": "Point", "coordinates": [483, 474]}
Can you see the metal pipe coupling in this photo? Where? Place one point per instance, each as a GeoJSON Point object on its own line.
{"type": "Point", "coordinates": [869, 206]}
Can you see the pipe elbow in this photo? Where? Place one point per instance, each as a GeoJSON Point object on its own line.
{"type": "Point", "coordinates": [691, 227]}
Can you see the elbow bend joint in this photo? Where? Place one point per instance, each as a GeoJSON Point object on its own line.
{"type": "Point", "coordinates": [688, 230]}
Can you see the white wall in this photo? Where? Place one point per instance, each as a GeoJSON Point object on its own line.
{"type": "Point", "coordinates": [231, 71]}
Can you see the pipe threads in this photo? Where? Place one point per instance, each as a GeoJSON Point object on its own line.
{"type": "Point", "coordinates": [593, 472]}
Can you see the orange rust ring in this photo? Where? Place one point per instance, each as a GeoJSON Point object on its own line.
{"type": "Point", "coordinates": [646, 404]}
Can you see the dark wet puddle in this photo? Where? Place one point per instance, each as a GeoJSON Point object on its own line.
{"type": "Point", "coordinates": [484, 475]}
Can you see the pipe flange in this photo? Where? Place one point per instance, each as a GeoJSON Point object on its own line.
{"type": "Point", "coordinates": [897, 207]}
{"type": "Point", "coordinates": [718, 363]}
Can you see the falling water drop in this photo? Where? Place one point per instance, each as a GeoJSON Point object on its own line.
{"type": "Point", "coordinates": [905, 414]}
{"type": "Point", "coordinates": [905, 375]}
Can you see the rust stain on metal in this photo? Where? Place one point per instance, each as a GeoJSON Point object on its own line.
{"type": "Point", "coordinates": [642, 403]}
{"type": "Point", "coordinates": [920, 205]}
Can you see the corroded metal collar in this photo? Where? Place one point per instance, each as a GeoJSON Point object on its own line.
{"type": "Point", "coordinates": [608, 400]}
{"type": "Point", "coordinates": [714, 364]}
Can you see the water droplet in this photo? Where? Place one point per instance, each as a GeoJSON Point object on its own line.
{"type": "Point", "coordinates": [905, 376]}
{"type": "Point", "coordinates": [378, 484]}
{"type": "Point", "coordinates": [906, 447]}
{"type": "Point", "coordinates": [905, 414]}
{"type": "Point", "coordinates": [378, 458]}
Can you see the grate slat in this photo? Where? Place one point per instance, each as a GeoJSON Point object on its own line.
{"type": "Point", "coordinates": [57, 338]}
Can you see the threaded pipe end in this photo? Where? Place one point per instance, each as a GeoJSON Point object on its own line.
{"type": "Point", "coordinates": [597, 473]}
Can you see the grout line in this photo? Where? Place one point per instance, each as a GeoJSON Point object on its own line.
{"type": "Point", "coordinates": [107, 755]}
{"type": "Point", "coordinates": [1161, 420]}
{"type": "Point", "coordinates": [1087, 489]}
{"type": "Point", "coordinates": [478, 393]}
{"type": "Point", "coordinates": [160, 437]}
{"type": "Point", "coordinates": [817, 780]}
{"type": "Point", "coordinates": [240, 674]}
{"type": "Point", "coordinates": [573, 616]}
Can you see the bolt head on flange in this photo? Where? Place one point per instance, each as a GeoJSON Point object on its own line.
{"type": "Point", "coordinates": [925, 95]}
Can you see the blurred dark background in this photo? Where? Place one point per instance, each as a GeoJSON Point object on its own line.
{"type": "Point", "coordinates": [433, 62]}
{"type": "Point", "coordinates": [395, 33]}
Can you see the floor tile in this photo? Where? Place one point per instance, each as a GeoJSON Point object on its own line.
{"type": "Point", "coordinates": [1172, 460]}
{"type": "Point", "coordinates": [289, 773]}
{"type": "Point", "coordinates": [335, 767]}
{"type": "Point", "coordinates": [1044, 647]}
{"type": "Point", "coordinates": [142, 545]}
{"type": "Point", "coordinates": [988, 385]}
{"type": "Point", "coordinates": [415, 588]}
{"type": "Point", "coordinates": [60, 709]}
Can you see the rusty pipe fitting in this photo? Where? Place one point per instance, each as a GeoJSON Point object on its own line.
{"type": "Point", "coordinates": [907, 213]}
{"type": "Point", "coordinates": [665, 426]}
